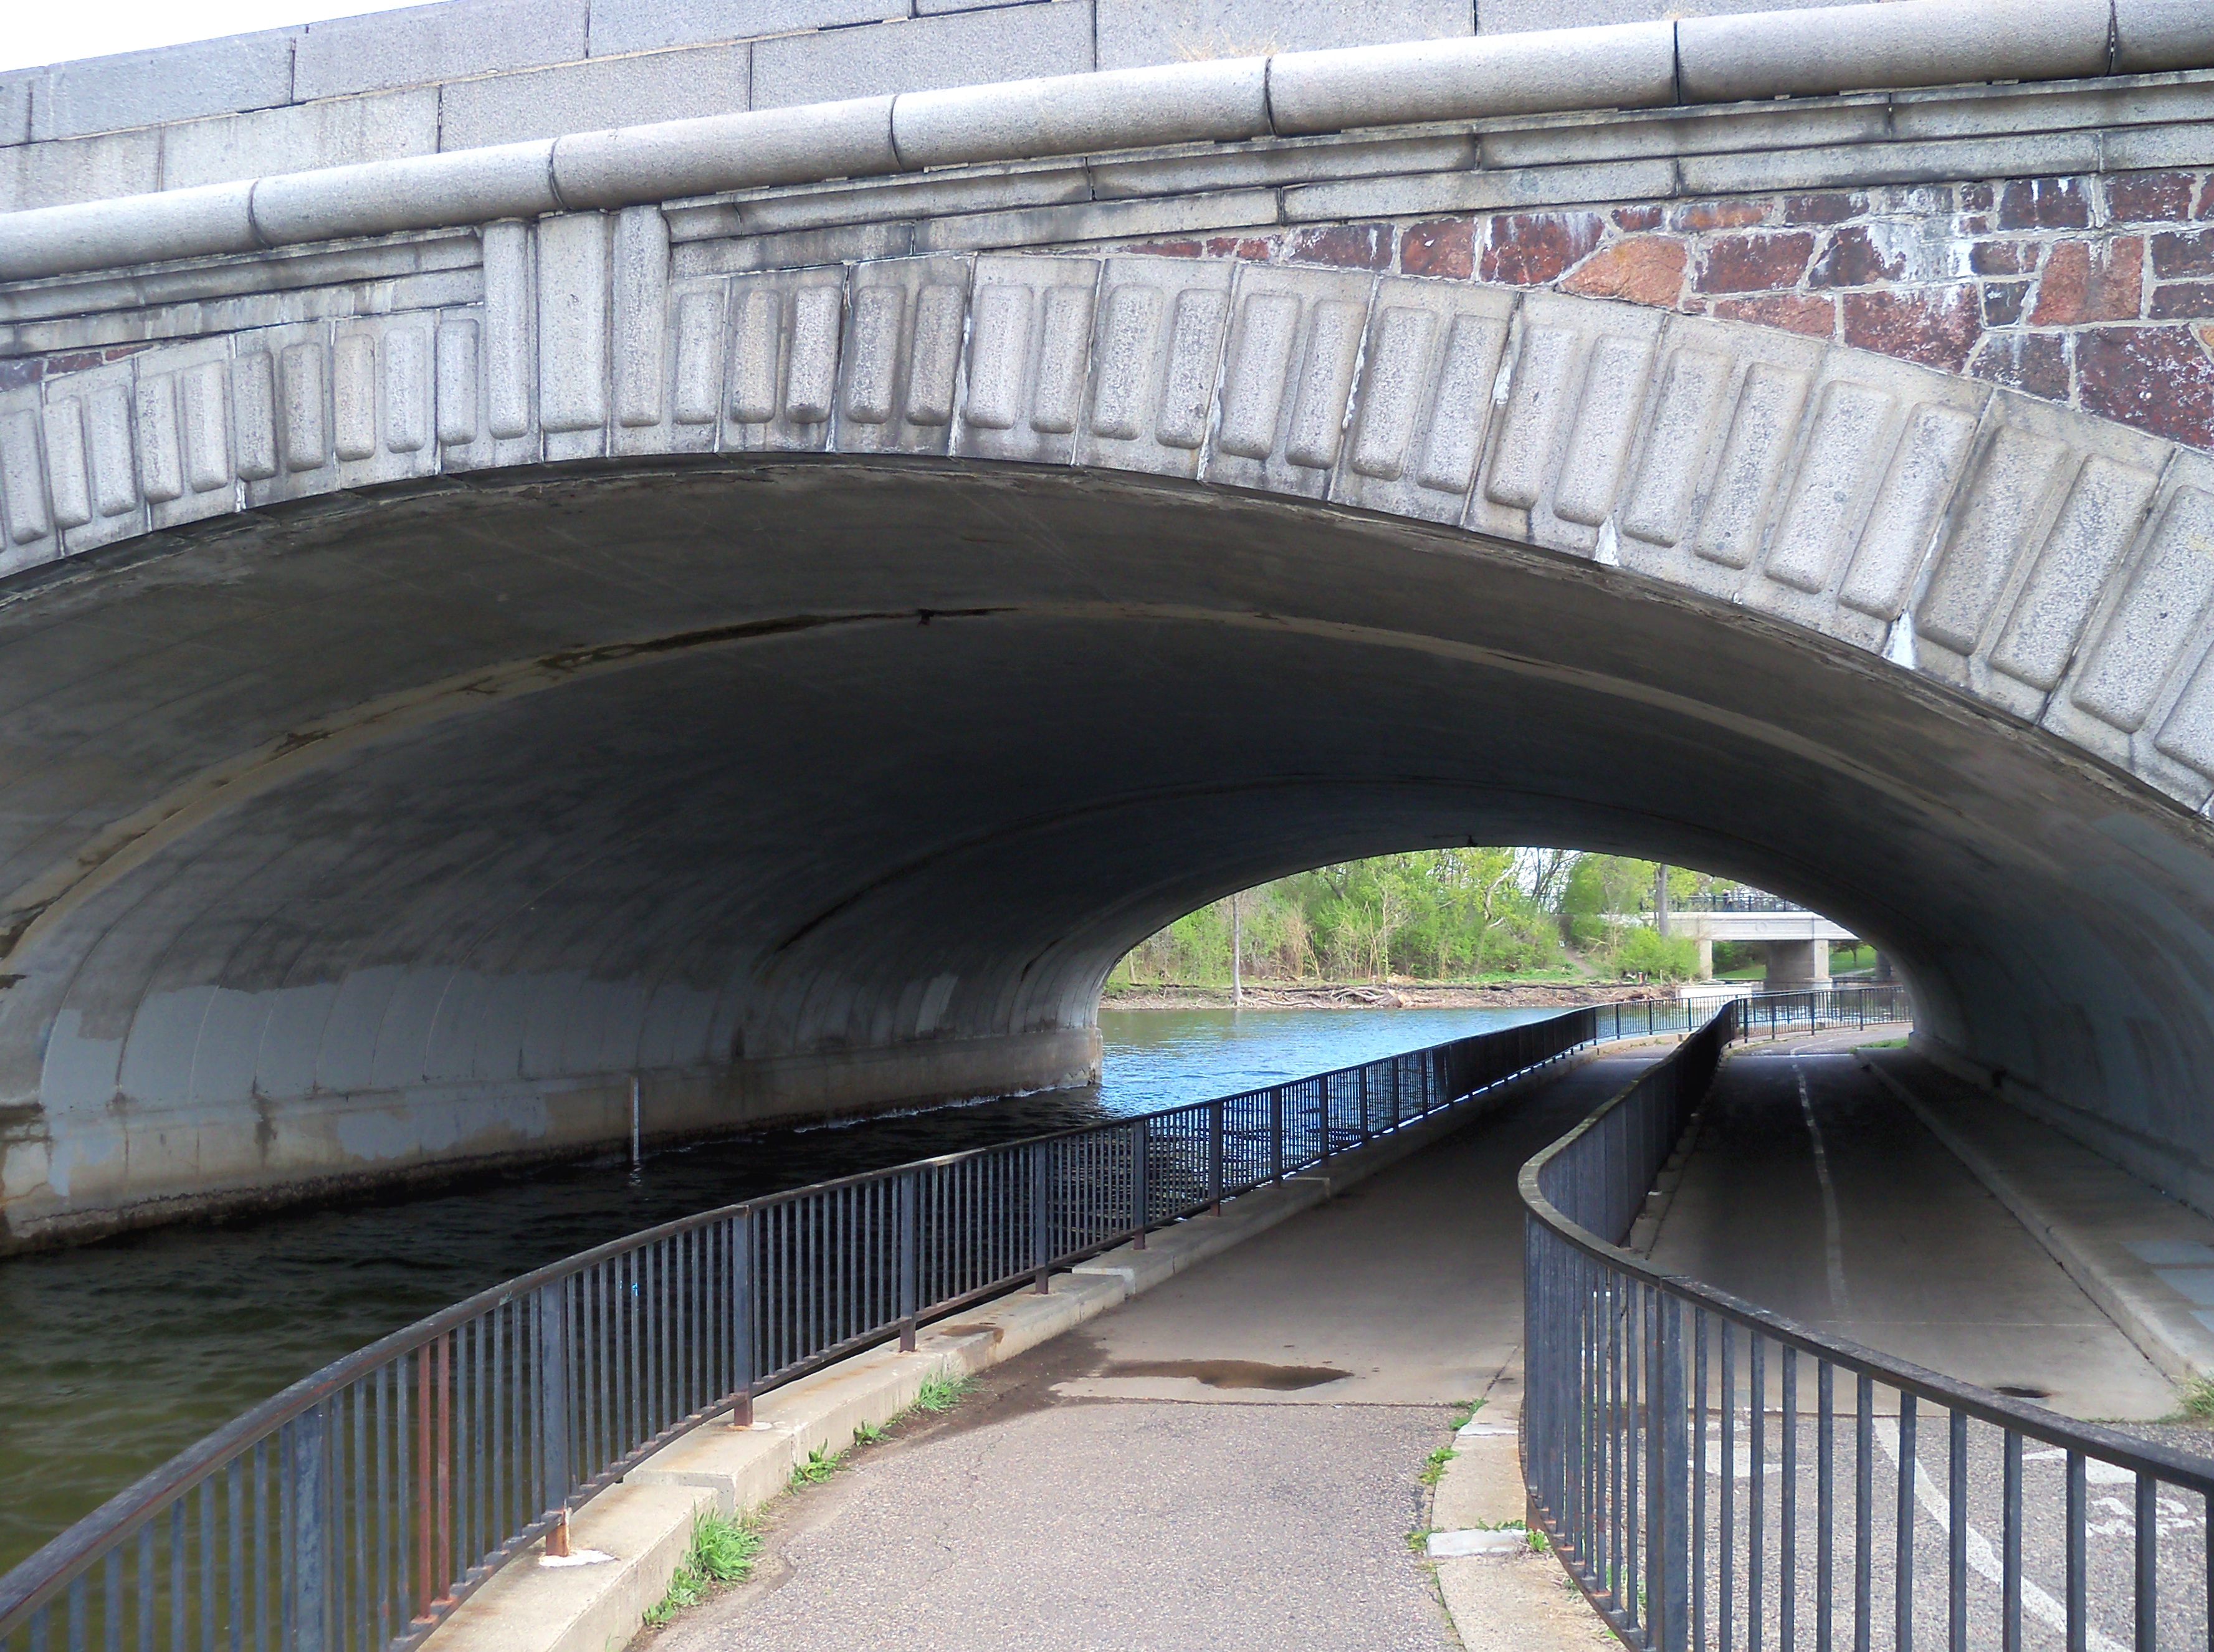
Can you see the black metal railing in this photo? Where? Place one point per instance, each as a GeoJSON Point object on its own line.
{"type": "Point", "coordinates": [1675, 1460]}
{"type": "Point", "coordinates": [357, 1508]}
{"type": "Point", "coordinates": [1733, 900]}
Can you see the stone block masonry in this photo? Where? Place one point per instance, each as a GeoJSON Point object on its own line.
{"type": "Point", "coordinates": [2093, 292]}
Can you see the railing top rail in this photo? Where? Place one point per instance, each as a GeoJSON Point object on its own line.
{"type": "Point", "coordinates": [2033, 1422]}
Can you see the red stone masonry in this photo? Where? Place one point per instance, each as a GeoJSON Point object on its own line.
{"type": "Point", "coordinates": [2094, 293]}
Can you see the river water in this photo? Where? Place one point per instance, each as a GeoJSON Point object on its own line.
{"type": "Point", "coordinates": [115, 1357]}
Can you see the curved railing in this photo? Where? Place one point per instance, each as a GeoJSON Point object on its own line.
{"type": "Point", "coordinates": [1675, 1465]}
{"type": "Point", "coordinates": [358, 1507]}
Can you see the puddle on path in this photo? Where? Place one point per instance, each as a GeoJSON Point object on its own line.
{"type": "Point", "coordinates": [1229, 1374]}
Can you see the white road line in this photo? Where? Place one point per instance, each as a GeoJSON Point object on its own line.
{"type": "Point", "coordinates": [1983, 1559]}
{"type": "Point", "coordinates": [1833, 1242]}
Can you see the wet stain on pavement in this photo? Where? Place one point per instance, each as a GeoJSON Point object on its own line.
{"type": "Point", "coordinates": [1230, 1373]}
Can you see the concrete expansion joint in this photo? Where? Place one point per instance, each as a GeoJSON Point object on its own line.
{"type": "Point", "coordinates": [891, 137]}
{"type": "Point", "coordinates": [553, 175]}
{"type": "Point", "coordinates": [254, 224]}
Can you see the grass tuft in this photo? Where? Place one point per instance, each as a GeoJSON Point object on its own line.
{"type": "Point", "coordinates": [722, 1551]}
{"type": "Point", "coordinates": [867, 1434]}
{"type": "Point", "coordinates": [819, 1466]}
{"type": "Point", "coordinates": [2199, 1399]}
{"type": "Point", "coordinates": [1419, 1540]}
{"type": "Point", "coordinates": [1465, 1412]}
{"type": "Point", "coordinates": [1434, 1465]}
{"type": "Point", "coordinates": [943, 1393]}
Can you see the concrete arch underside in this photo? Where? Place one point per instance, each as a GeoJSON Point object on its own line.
{"type": "Point", "coordinates": [809, 722]}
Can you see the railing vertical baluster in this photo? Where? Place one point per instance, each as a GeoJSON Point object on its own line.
{"type": "Point", "coordinates": [909, 1219]}
{"type": "Point", "coordinates": [1141, 1153]}
{"type": "Point", "coordinates": [1825, 1504]}
{"type": "Point", "coordinates": [1214, 1156]}
{"type": "Point", "coordinates": [2148, 1563]}
{"type": "Point", "coordinates": [1669, 1552]}
{"type": "Point", "coordinates": [1629, 1558]}
{"type": "Point", "coordinates": [1863, 1511]}
{"type": "Point", "coordinates": [1041, 1254]}
{"type": "Point", "coordinates": [744, 1283]}
{"type": "Point", "coordinates": [1787, 1555]}
{"type": "Point", "coordinates": [308, 1510]}
{"type": "Point", "coordinates": [1725, 1596]}
{"type": "Point", "coordinates": [1276, 1132]}
{"type": "Point", "coordinates": [2010, 1551]}
{"type": "Point", "coordinates": [1956, 1535]}
{"type": "Point", "coordinates": [179, 1598]}
{"type": "Point", "coordinates": [1903, 1553]}
{"type": "Point", "coordinates": [1698, 1469]}
{"type": "Point", "coordinates": [551, 1424]}
{"type": "Point", "coordinates": [1756, 1513]}
{"type": "Point", "coordinates": [2079, 1624]}
{"type": "Point", "coordinates": [145, 1591]}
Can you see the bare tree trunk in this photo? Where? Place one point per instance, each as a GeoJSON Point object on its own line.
{"type": "Point", "coordinates": [1237, 948]}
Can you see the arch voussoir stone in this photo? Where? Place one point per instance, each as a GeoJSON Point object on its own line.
{"type": "Point", "coordinates": [2050, 564]}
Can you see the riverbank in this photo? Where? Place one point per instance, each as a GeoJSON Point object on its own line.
{"type": "Point", "coordinates": [1390, 995]}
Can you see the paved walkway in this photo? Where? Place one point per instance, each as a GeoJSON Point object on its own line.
{"type": "Point", "coordinates": [1230, 1461]}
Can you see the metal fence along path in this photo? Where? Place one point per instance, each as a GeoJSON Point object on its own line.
{"type": "Point", "coordinates": [357, 1508]}
{"type": "Point", "coordinates": [1716, 1476]}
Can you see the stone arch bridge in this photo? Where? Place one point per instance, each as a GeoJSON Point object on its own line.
{"type": "Point", "coordinates": [770, 602]}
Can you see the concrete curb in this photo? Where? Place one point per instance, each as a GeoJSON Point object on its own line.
{"type": "Point", "coordinates": [1749, 56]}
{"type": "Point", "coordinates": [644, 1524]}
{"type": "Point", "coordinates": [2158, 1325]}
{"type": "Point", "coordinates": [1501, 1594]}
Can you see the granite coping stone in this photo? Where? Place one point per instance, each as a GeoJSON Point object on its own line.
{"type": "Point", "coordinates": [1835, 50]}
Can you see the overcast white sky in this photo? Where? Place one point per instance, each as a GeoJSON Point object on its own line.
{"type": "Point", "coordinates": [49, 31]}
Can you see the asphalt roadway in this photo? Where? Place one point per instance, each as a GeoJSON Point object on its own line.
{"type": "Point", "coordinates": [1813, 1191]}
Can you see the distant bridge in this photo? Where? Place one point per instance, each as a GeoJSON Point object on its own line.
{"type": "Point", "coordinates": [512, 592]}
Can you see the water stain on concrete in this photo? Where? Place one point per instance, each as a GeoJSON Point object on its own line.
{"type": "Point", "coordinates": [1229, 1374]}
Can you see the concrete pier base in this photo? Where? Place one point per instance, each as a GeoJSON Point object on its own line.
{"type": "Point", "coordinates": [124, 1168]}
{"type": "Point", "coordinates": [1798, 965]}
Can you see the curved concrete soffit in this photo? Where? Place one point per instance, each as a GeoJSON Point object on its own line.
{"type": "Point", "coordinates": [2051, 564]}
{"type": "Point", "coordinates": [1906, 43]}
{"type": "Point", "coordinates": [35, 907]}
